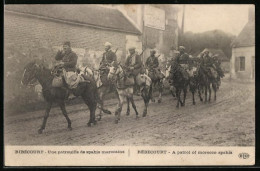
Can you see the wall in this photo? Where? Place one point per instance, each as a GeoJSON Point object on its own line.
{"type": "Point", "coordinates": [248, 52]}
{"type": "Point", "coordinates": [225, 66]}
{"type": "Point", "coordinates": [27, 38]}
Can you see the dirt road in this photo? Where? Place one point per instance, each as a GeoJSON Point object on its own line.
{"type": "Point", "coordinates": [230, 121]}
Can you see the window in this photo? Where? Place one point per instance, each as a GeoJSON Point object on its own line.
{"type": "Point", "coordinates": [242, 63]}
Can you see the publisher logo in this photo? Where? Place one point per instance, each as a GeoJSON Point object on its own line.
{"type": "Point", "coordinates": [243, 155]}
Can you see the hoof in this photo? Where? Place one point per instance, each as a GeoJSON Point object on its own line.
{"type": "Point", "coordinates": [127, 113]}
{"type": "Point", "coordinates": [40, 131]}
{"type": "Point", "coordinates": [153, 100]}
{"type": "Point", "coordinates": [70, 128]}
{"type": "Point", "coordinates": [159, 101]}
{"type": "Point", "coordinates": [137, 117]}
{"type": "Point", "coordinates": [107, 112]}
{"type": "Point", "coordinates": [193, 103]}
{"type": "Point", "coordinates": [144, 114]}
{"type": "Point", "coordinates": [95, 122]}
{"type": "Point", "coordinates": [89, 124]}
{"type": "Point", "coordinates": [116, 121]}
{"type": "Point", "coordinates": [99, 118]}
{"type": "Point", "coordinates": [177, 107]}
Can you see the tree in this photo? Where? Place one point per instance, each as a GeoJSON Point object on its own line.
{"type": "Point", "coordinates": [196, 42]}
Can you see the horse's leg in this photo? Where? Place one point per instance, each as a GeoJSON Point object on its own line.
{"type": "Point", "coordinates": [209, 93]}
{"type": "Point", "coordinates": [100, 94]}
{"type": "Point", "coordinates": [64, 112]}
{"type": "Point", "coordinates": [178, 97]}
{"type": "Point", "coordinates": [160, 91]}
{"type": "Point", "coordinates": [128, 108]}
{"type": "Point", "coordinates": [47, 112]}
{"type": "Point", "coordinates": [146, 95]}
{"type": "Point", "coordinates": [184, 96]}
{"type": "Point", "coordinates": [119, 109]}
{"type": "Point", "coordinates": [215, 91]}
{"type": "Point", "coordinates": [92, 104]}
{"type": "Point", "coordinates": [153, 86]}
{"type": "Point", "coordinates": [134, 106]}
{"type": "Point", "coordinates": [206, 95]}
{"type": "Point", "coordinates": [199, 92]}
{"type": "Point", "coordinates": [193, 99]}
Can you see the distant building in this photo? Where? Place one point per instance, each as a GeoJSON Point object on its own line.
{"type": "Point", "coordinates": [158, 24]}
{"type": "Point", "coordinates": [225, 61]}
{"type": "Point", "coordinates": [243, 50]}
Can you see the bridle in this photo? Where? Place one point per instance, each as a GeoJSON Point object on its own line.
{"type": "Point", "coordinates": [33, 80]}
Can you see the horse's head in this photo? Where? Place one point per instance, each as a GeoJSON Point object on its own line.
{"type": "Point", "coordinates": [29, 73]}
{"type": "Point", "coordinates": [114, 70]}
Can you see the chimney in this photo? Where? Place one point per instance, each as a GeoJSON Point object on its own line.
{"type": "Point", "coordinates": [251, 13]}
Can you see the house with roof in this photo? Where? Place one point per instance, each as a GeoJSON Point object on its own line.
{"type": "Point", "coordinates": [243, 50]}
{"type": "Point", "coordinates": [87, 27]}
{"type": "Point", "coordinates": [225, 61]}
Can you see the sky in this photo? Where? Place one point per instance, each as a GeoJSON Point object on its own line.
{"type": "Point", "coordinates": [200, 18]}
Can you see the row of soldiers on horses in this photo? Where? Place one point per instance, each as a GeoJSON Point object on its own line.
{"type": "Point", "coordinates": [133, 66]}
{"type": "Point", "coordinates": [65, 77]}
{"type": "Point", "coordinates": [197, 73]}
{"type": "Point", "coordinates": [211, 64]}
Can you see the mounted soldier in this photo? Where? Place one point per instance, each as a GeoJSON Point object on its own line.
{"type": "Point", "coordinates": [217, 64]}
{"type": "Point", "coordinates": [108, 57]}
{"type": "Point", "coordinates": [183, 60]}
{"type": "Point", "coordinates": [133, 66]}
{"type": "Point", "coordinates": [68, 61]}
{"type": "Point", "coordinates": [208, 63]}
{"type": "Point", "coordinates": [155, 73]}
{"type": "Point", "coordinates": [152, 65]}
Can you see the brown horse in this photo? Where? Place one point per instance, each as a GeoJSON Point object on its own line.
{"type": "Point", "coordinates": [87, 90]}
{"type": "Point", "coordinates": [102, 89]}
{"type": "Point", "coordinates": [178, 81]}
{"type": "Point", "coordinates": [204, 83]}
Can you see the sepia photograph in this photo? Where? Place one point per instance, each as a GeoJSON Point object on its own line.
{"type": "Point", "coordinates": [129, 84]}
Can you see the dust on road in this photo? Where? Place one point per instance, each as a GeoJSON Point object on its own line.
{"type": "Point", "coordinates": [230, 121]}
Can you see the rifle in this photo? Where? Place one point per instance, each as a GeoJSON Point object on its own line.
{"type": "Point", "coordinates": [142, 52]}
{"type": "Point", "coordinates": [116, 50]}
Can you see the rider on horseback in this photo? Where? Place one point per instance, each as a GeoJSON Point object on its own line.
{"type": "Point", "coordinates": [183, 60]}
{"type": "Point", "coordinates": [152, 64]}
{"type": "Point", "coordinates": [133, 65]}
{"type": "Point", "coordinates": [108, 57]}
{"type": "Point", "coordinates": [209, 65]}
{"type": "Point", "coordinates": [67, 66]}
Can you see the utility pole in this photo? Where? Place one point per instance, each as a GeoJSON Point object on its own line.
{"type": "Point", "coordinates": [183, 17]}
{"type": "Point", "coordinates": [182, 26]}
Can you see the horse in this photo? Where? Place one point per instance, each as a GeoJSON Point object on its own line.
{"type": "Point", "coordinates": [102, 89]}
{"type": "Point", "coordinates": [179, 82]}
{"type": "Point", "coordinates": [87, 90]}
{"type": "Point", "coordinates": [156, 81]}
{"type": "Point", "coordinates": [204, 83]}
{"type": "Point", "coordinates": [117, 74]}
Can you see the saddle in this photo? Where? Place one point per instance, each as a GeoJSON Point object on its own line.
{"type": "Point", "coordinates": [66, 79]}
{"type": "Point", "coordinates": [155, 74]}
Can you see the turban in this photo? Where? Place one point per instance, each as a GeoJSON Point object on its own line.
{"type": "Point", "coordinates": [108, 44]}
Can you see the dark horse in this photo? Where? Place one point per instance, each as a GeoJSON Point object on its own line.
{"type": "Point", "coordinates": [102, 89]}
{"type": "Point", "coordinates": [179, 82]}
{"type": "Point", "coordinates": [204, 83]}
{"type": "Point", "coordinates": [87, 90]}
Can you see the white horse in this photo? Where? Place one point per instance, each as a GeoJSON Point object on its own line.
{"type": "Point", "coordinates": [125, 91]}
